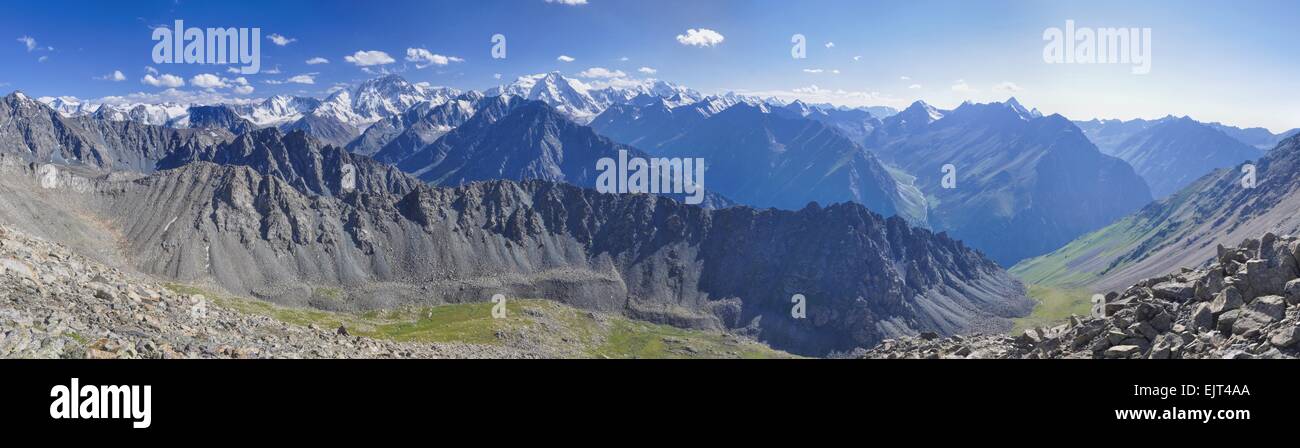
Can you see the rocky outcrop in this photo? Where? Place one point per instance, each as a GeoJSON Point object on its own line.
{"type": "Point", "coordinates": [1246, 304]}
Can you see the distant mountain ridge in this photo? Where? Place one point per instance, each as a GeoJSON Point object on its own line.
{"type": "Point", "coordinates": [342, 116]}
{"type": "Point", "coordinates": [1172, 153]}
{"type": "Point", "coordinates": [1023, 184]}
{"type": "Point", "coordinates": [1109, 134]}
{"type": "Point", "coordinates": [766, 156]}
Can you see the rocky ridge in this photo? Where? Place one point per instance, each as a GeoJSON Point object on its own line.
{"type": "Point", "coordinates": [1245, 304]}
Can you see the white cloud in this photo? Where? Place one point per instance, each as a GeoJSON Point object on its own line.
{"type": "Point", "coordinates": [173, 95]}
{"type": "Point", "coordinates": [280, 40]}
{"type": "Point", "coordinates": [1007, 87]}
{"type": "Point", "coordinates": [568, 2]}
{"type": "Point", "coordinates": [163, 80]}
{"type": "Point", "coordinates": [647, 70]}
{"type": "Point", "coordinates": [424, 58]}
{"type": "Point", "coordinates": [317, 60]}
{"type": "Point", "coordinates": [835, 72]}
{"type": "Point", "coordinates": [565, 58]}
{"type": "Point", "coordinates": [116, 76]}
{"type": "Point", "coordinates": [914, 86]}
{"type": "Point", "coordinates": [857, 58]}
{"type": "Point", "coordinates": [817, 94]}
{"type": "Point", "coordinates": [28, 41]}
{"type": "Point", "coordinates": [42, 59]}
{"type": "Point", "coordinates": [496, 76]}
{"type": "Point", "coordinates": [623, 59]}
{"type": "Point", "coordinates": [601, 72]}
{"type": "Point", "coordinates": [302, 79]}
{"type": "Point", "coordinates": [211, 82]}
{"type": "Point", "coordinates": [904, 78]}
{"type": "Point", "coordinates": [963, 87]}
{"type": "Point", "coordinates": [813, 70]}
{"type": "Point", "coordinates": [702, 37]}
{"type": "Point", "coordinates": [272, 71]}
{"type": "Point", "coordinates": [364, 58]}
{"type": "Point", "coordinates": [616, 83]}
{"type": "Point", "coordinates": [208, 81]}
{"type": "Point", "coordinates": [830, 45]}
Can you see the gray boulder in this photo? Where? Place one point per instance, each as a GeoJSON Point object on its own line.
{"type": "Point", "coordinates": [1227, 300]}
{"type": "Point", "coordinates": [1285, 337]}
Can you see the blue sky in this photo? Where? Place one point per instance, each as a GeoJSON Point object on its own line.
{"type": "Point", "coordinates": [1216, 61]}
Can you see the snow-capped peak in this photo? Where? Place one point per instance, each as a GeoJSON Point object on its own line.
{"type": "Point", "coordinates": [922, 109]}
{"type": "Point", "coordinates": [390, 95]}
{"type": "Point", "coordinates": [1024, 113]}
{"type": "Point", "coordinates": [68, 106]}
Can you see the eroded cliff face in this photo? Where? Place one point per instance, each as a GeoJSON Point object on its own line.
{"type": "Point", "coordinates": [865, 277]}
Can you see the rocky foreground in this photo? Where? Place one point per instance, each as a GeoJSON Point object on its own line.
{"type": "Point", "coordinates": [56, 304]}
{"type": "Point", "coordinates": [1246, 304]}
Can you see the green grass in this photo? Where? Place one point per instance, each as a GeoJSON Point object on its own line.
{"type": "Point", "coordinates": [77, 337]}
{"type": "Point", "coordinates": [1061, 267]}
{"type": "Point", "coordinates": [580, 333]}
{"type": "Point", "coordinates": [633, 339]}
{"type": "Point", "coordinates": [1055, 305]}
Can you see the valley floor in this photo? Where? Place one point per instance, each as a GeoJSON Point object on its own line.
{"type": "Point", "coordinates": [1054, 306]}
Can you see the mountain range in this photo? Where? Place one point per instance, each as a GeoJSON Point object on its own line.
{"type": "Point", "coordinates": [263, 214]}
{"type": "Point", "coordinates": [459, 193]}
